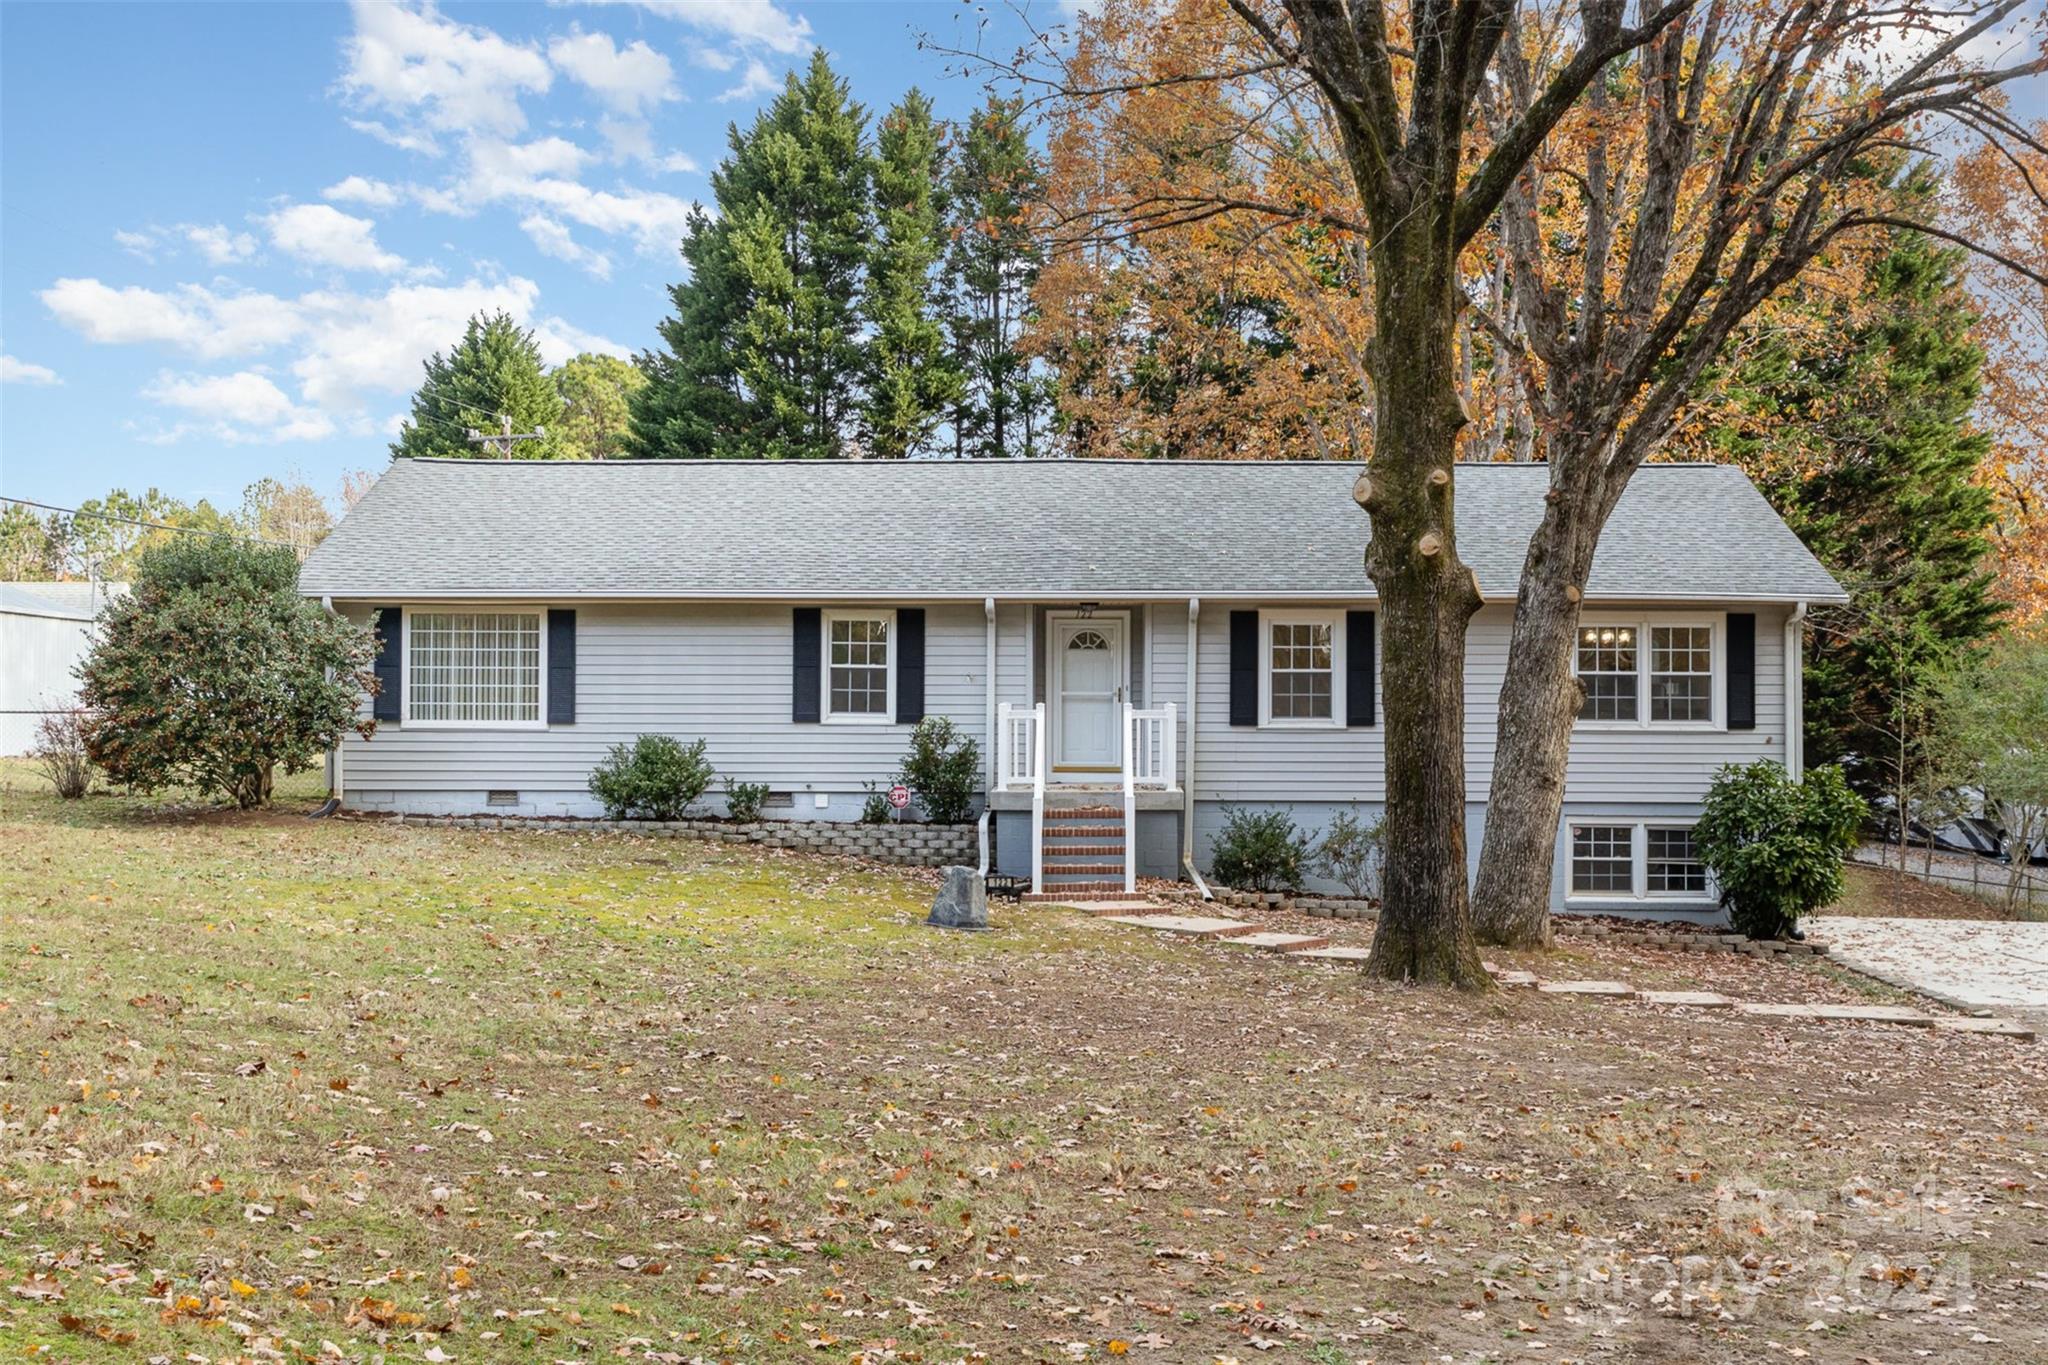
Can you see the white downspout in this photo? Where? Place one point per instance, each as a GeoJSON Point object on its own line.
{"type": "Point", "coordinates": [336, 784]}
{"type": "Point", "coordinates": [1187, 768]}
{"type": "Point", "coordinates": [1795, 687]}
{"type": "Point", "coordinates": [988, 730]}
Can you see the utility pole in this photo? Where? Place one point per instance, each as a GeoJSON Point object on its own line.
{"type": "Point", "coordinates": [503, 441]}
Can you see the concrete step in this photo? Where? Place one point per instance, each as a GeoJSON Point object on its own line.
{"type": "Point", "coordinates": [1609, 989]}
{"type": "Point", "coordinates": [1086, 893]}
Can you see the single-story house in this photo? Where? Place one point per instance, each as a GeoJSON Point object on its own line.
{"type": "Point", "coordinates": [45, 633]}
{"type": "Point", "coordinates": [1149, 642]}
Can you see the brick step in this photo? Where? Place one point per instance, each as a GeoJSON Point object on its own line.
{"type": "Point", "coordinates": [1085, 813]}
{"type": "Point", "coordinates": [1089, 884]}
{"type": "Point", "coordinates": [1095, 850]}
{"type": "Point", "coordinates": [1106, 833]}
{"type": "Point", "coordinates": [1053, 869]}
{"type": "Point", "coordinates": [1087, 893]}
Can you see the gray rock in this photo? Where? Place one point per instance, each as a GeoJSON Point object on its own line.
{"type": "Point", "coordinates": [962, 902]}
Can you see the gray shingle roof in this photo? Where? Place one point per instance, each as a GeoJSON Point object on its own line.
{"type": "Point", "coordinates": [72, 601]}
{"type": "Point", "coordinates": [936, 529]}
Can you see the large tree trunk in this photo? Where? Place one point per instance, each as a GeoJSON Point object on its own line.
{"type": "Point", "coordinates": [1426, 597]}
{"type": "Point", "coordinates": [1539, 700]}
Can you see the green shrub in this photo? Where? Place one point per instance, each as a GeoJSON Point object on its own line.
{"type": "Point", "coordinates": [1775, 846]}
{"type": "Point", "coordinates": [1352, 852]}
{"type": "Point", "coordinates": [942, 770]}
{"type": "Point", "coordinates": [656, 777]}
{"type": "Point", "coordinates": [876, 810]}
{"type": "Point", "coordinates": [214, 673]}
{"type": "Point", "coordinates": [1259, 851]}
{"type": "Point", "coordinates": [743, 800]}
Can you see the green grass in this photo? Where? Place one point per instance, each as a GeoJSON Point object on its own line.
{"type": "Point", "coordinates": [269, 1082]}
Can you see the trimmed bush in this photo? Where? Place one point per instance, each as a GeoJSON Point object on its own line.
{"type": "Point", "coordinates": [743, 800]}
{"type": "Point", "coordinates": [656, 777]}
{"type": "Point", "coordinates": [1775, 846]}
{"type": "Point", "coordinates": [942, 770]}
{"type": "Point", "coordinates": [214, 673]}
{"type": "Point", "coordinates": [876, 810]}
{"type": "Point", "coordinates": [1259, 851]}
{"type": "Point", "coordinates": [60, 755]}
{"type": "Point", "coordinates": [1352, 852]}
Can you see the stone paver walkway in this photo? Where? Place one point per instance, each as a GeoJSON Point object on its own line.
{"type": "Point", "coordinates": [1247, 934]}
{"type": "Point", "coordinates": [1974, 964]}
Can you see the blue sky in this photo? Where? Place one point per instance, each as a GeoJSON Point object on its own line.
{"type": "Point", "coordinates": [232, 232]}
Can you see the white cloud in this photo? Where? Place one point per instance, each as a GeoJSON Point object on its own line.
{"type": "Point", "coordinates": [321, 234]}
{"type": "Point", "coordinates": [628, 80]}
{"type": "Point", "coordinates": [416, 65]}
{"type": "Point", "coordinates": [540, 176]}
{"type": "Point", "coordinates": [559, 341]}
{"type": "Point", "coordinates": [715, 58]}
{"type": "Point", "coordinates": [553, 239]}
{"type": "Point", "coordinates": [219, 244]}
{"type": "Point", "coordinates": [358, 189]}
{"type": "Point", "coordinates": [142, 244]}
{"type": "Point", "coordinates": [375, 343]}
{"type": "Point", "coordinates": [244, 406]}
{"type": "Point", "coordinates": [192, 317]}
{"type": "Point", "coordinates": [760, 22]}
{"type": "Point", "coordinates": [756, 81]}
{"type": "Point", "coordinates": [14, 371]}
{"type": "Point", "coordinates": [405, 141]}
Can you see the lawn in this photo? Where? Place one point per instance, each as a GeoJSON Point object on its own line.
{"type": "Point", "coordinates": [273, 1088]}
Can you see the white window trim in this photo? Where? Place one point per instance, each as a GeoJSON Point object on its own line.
{"type": "Point", "coordinates": [456, 609]}
{"type": "Point", "coordinates": [1334, 619]}
{"type": "Point", "coordinates": [1639, 866]}
{"type": "Point", "coordinates": [825, 712]}
{"type": "Point", "coordinates": [1717, 700]}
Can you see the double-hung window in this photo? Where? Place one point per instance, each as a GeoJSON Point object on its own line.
{"type": "Point", "coordinates": [477, 668]}
{"type": "Point", "coordinates": [1649, 672]}
{"type": "Point", "coordinates": [1638, 861]}
{"type": "Point", "coordinates": [1302, 678]}
{"type": "Point", "coordinates": [859, 665]}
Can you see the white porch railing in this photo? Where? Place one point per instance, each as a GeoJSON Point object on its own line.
{"type": "Point", "coordinates": [1149, 761]}
{"type": "Point", "coordinates": [1151, 747]}
{"type": "Point", "coordinates": [1020, 763]}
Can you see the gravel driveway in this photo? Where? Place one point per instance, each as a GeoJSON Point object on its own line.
{"type": "Point", "coordinates": [1995, 965]}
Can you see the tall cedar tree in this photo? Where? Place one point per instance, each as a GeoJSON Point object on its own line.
{"type": "Point", "coordinates": [994, 261]}
{"type": "Point", "coordinates": [1863, 441]}
{"type": "Point", "coordinates": [762, 358]}
{"type": "Point", "coordinates": [494, 372]}
{"type": "Point", "coordinates": [912, 382]}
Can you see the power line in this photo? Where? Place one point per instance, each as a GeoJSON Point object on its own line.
{"type": "Point", "coordinates": [150, 525]}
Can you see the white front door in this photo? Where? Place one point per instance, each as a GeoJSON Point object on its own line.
{"type": "Point", "coordinates": [1088, 673]}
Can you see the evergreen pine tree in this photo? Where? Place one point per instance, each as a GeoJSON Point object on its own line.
{"type": "Point", "coordinates": [494, 372]}
{"type": "Point", "coordinates": [993, 262]}
{"type": "Point", "coordinates": [762, 358]}
{"type": "Point", "coordinates": [1868, 451]}
{"type": "Point", "coordinates": [912, 384]}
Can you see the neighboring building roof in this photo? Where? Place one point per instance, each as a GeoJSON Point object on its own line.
{"type": "Point", "coordinates": [815, 530]}
{"type": "Point", "coordinates": [78, 601]}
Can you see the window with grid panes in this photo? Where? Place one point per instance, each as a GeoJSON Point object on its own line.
{"type": "Point", "coordinates": [1607, 668]}
{"type": "Point", "coordinates": [1603, 859]}
{"type": "Point", "coordinates": [858, 666]}
{"type": "Point", "coordinates": [1303, 670]}
{"type": "Point", "coordinates": [1672, 865]}
{"type": "Point", "coordinates": [1681, 673]}
{"type": "Point", "coordinates": [473, 667]}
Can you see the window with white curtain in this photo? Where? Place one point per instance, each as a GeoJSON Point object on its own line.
{"type": "Point", "coordinates": [473, 667]}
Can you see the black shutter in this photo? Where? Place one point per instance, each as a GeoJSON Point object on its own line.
{"type": "Point", "coordinates": [390, 666]}
{"type": "Point", "coordinates": [1358, 668]}
{"type": "Point", "coordinates": [805, 681]}
{"type": "Point", "coordinates": [1742, 670]}
{"type": "Point", "coordinates": [1244, 668]}
{"type": "Point", "coordinates": [561, 667]}
{"type": "Point", "coordinates": [909, 665]}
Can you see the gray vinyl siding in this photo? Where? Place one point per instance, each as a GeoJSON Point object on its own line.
{"type": "Point", "coordinates": [1656, 764]}
{"type": "Point", "coordinates": [716, 671]}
